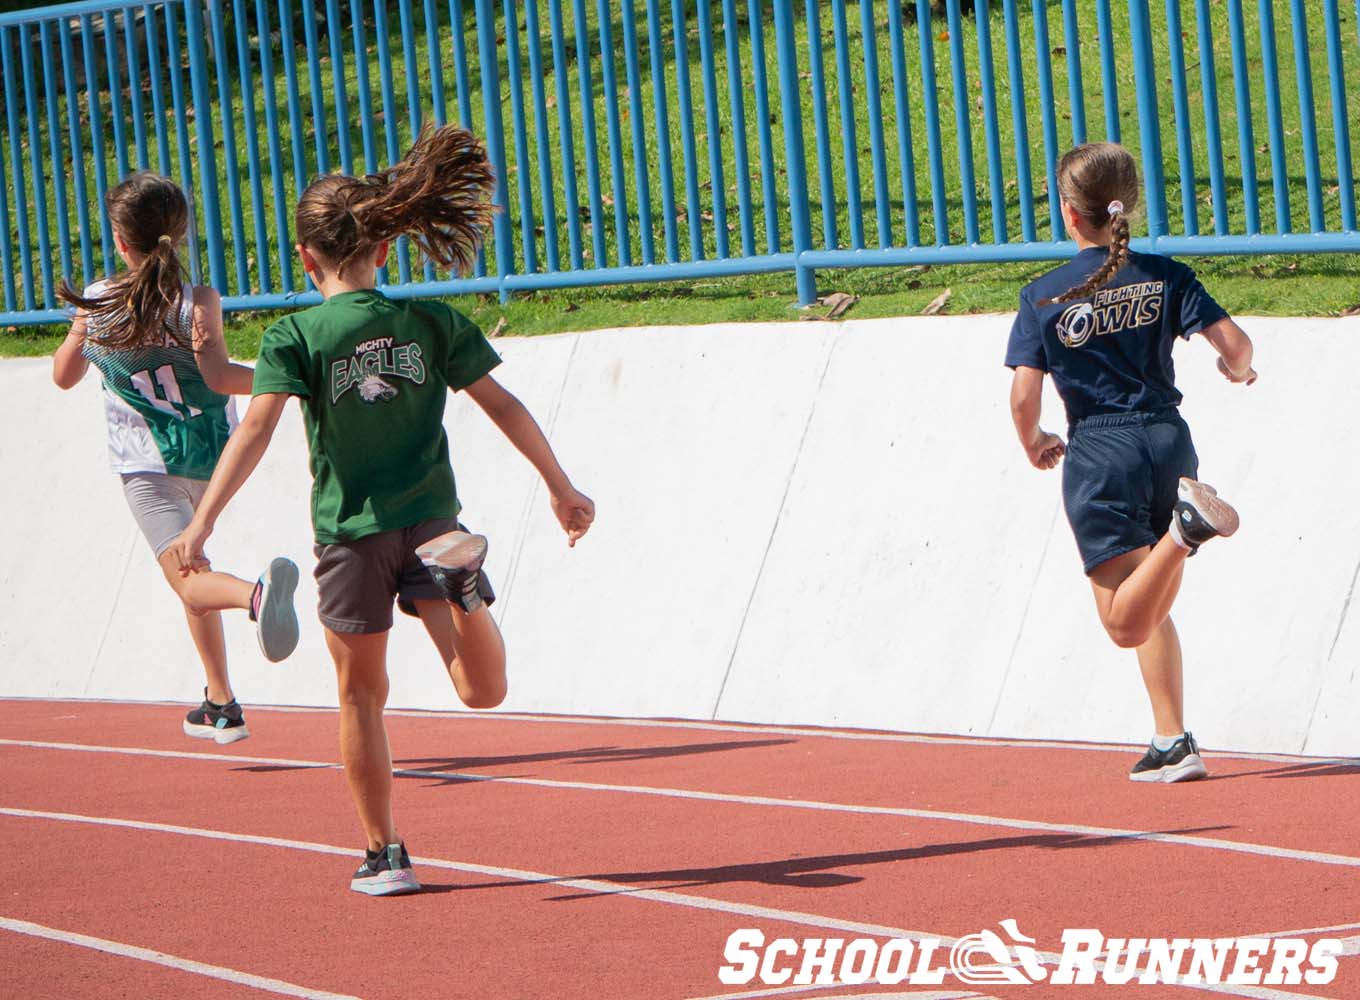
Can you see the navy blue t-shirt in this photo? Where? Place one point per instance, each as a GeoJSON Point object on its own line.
{"type": "Point", "coordinates": [1111, 352]}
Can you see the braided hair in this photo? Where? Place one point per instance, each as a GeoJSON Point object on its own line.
{"type": "Point", "coordinates": [1099, 180]}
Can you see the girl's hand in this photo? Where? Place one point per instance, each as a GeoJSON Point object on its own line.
{"type": "Point", "coordinates": [188, 548]}
{"type": "Point", "coordinates": [575, 512]}
{"type": "Point", "coordinates": [1045, 450]}
{"type": "Point", "coordinates": [1246, 379]}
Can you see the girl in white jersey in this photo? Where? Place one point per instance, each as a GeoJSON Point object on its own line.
{"type": "Point", "coordinates": [157, 342]}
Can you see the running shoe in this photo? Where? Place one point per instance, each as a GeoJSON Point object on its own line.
{"type": "Point", "coordinates": [1200, 515]}
{"type": "Point", "coordinates": [455, 561]}
{"type": "Point", "coordinates": [271, 609]}
{"type": "Point", "coordinates": [221, 723]}
{"type": "Point", "coordinates": [1180, 763]}
{"type": "Point", "coordinates": [385, 873]}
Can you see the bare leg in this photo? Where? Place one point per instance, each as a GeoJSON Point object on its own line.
{"type": "Point", "coordinates": [1160, 660]}
{"type": "Point", "coordinates": [361, 674]}
{"type": "Point", "coordinates": [472, 650]}
{"type": "Point", "coordinates": [1134, 592]}
{"type": "Point", "coordinates": [204, 594]}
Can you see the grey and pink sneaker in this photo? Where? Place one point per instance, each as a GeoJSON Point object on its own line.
{"type": "Point", "coordinates": [271, 609]}
{"type": "Point", "coordinates": [385, 873]}
{"type": "Point", "coordinates": [455, 560]}
{"type": "Point", "coordinates": [1200, 514]}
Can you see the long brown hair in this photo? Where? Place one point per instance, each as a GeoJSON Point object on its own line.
{"type": "Point", "coordinates": [438, 194]}
{"type": "Point", "coordinates": [1092, 178]}
{"type": "Point", "coordinates": [135, 308]}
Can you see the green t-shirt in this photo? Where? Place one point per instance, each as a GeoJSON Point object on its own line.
{"type": "Point", "coordinates": [373, 375]}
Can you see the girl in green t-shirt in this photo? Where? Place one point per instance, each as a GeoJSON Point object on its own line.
{"type": "Point", "coordinates": [157, 342]}
{"type": "Point", "coordinates": [373, 375]}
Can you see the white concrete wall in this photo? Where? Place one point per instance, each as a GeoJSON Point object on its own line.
{"type": "Point", "coordinates": [798, 523]}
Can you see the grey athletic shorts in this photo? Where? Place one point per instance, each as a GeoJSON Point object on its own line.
{"type": "Point", "coordinates": [163, 505]}
{"type": "Point", "coordinates": [357, 581]}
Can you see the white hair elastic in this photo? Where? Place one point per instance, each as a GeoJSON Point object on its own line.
{"type": "Point", "coordinates": [1115, 208]}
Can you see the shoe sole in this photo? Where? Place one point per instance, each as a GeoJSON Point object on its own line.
{"type": "Point", "coordinates": [455, 551]}
{"type": "Point", "coordinates": [397, 883]}
{"type": "Point", "coordinates": [277, 625]}
{"type": "Point", "coordinates": [1219, 514]}
{"type": "Point", "coordinates": [219, 736]}
{"type": "Point", "coordinates": [1190, 768]}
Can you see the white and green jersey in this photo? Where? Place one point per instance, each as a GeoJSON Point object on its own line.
{"type": "Point", "coordinates": [162, 416]}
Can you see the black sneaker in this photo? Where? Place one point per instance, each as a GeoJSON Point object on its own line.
{"type": "Point", "coordinates": [271, 609]}
{"type": "Point", "coordinates": [385, 873]}
{"type": "Point", "coordinates": [1181, 763]}
{"type": "Point", "coordinates": [221, 723]}
{"type": "Point", "coordinates": [455, 561]}
{"type": "Point", "coordinates": [1200, 515]}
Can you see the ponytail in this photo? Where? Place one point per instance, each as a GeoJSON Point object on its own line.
{"type": "Point", "coordinates": [1117, 257]}
{"type": "Point", "coordinates": [1099, 181]}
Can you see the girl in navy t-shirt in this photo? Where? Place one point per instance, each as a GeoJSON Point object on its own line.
{"type": "Point", "coordinates": [1103, 326]}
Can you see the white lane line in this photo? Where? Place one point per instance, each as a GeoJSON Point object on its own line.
{"type": "Point", "coordinates": [234, 976]}
{"type": "Point", "coordinates": [813, 732]}
{"type": "Point", "coordinates": [1003, 822]}
{"type": "Point", "coordinates": [784, 991]}
{"type": "Point", "coordinates": [1305, 931]}
{"type": "Point", "coordinates": [596, 886]}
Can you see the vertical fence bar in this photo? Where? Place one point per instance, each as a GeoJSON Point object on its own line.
{"type": "Point", "coordinates": [408, 49]}
{"type": "Point", "coordinates": [337, 53]}
{"type": "Point", "coordinates": [207, 160]}
{"type": "Point", "coordinates": [545, 171]}
{"type": "Point", "coordinates": [708, 72]}
{"type": "Point", "coordinates": [741, 158]}
{"type": "Point", "coordinates": [991, 123]}
{"type": "Point", "coordinates": [115, 78]}
{"type": "Point", "coordinates": [1270, 70]}
{"type": "Point", "coordinates": [271, 125]}
{"type": "Point", "coordinates": [849, 131]}
{"type": "Point", "coordinates": [878, 158]}
{"type": "Point", "coordinates": [434, 53]}
{"type": "Point", "coordinates": [656, 54]}
{"type": "Point", "coordinates": [1108, 82]}
{"type": "Point", "coordinates": [252, 137]}
{"type": "Point", "coordinates": [495, 136]}
{"type": "Point", "coordinates": [54, 146]}
{"type": "Point", "coordinates": [623, 252]}
{"type": "Point", "coordinates": [221, 71]}
{"type": "Point", "coordinates": [1050, 118]}
{"type": "Point", "coordinates": [1246, 143]}
{"type": "Point", "coordinates": [1149, 123]}
{"type": "Point", "coordinates": [528, 242]}
{"type": "Point", "coordinates": [930, 98]}
{"type": "Point", "coordinates": [570, 195]}
{"type": "Point", "coordinates": [906, 154]}
{"type": "Point", "coordinates": [288, 51]}
{"type": "Point", "coordinates": [962, 123]}
{"type": "Point", "coordinates": [1303, 74]}
{"type": "Point", "coordinates": [16, 166]}
{"type": "Point", "coordinates": [821, 129]}
{"type": "Point", "coordinates": [1185, 156]}
{"type": "Point", "coordinates": [760, 81]}
{"type": "Point", "coordinates": [634, 77]}
{"type": "Point", "coordinates": [158, 105]}
{"type": "Point", "coordinates": [590, 141]}
{"type": "Point", "coordinates": [792, 107]}
{"type": "Point", "coordinates": [174, 66]}
{"type": "Point", "coordinates": [682, 87]}
{"type": "Point", "coordinates": [135, 89]}
{"type": "Point", "coordinates": [464, 88]}
{"type": "Point", "coordinates": [16, 173]}
{"type": "Point", "coordinates": [97, 151]}
{"type": "Point", "coordinates": [363, 85]}
{"type": "Point", "coordinates": [1340, 124]}
{"type": "Point", "coordinates": [1023, 177]}
{"type": "Point", "coordinates": [1212, 136]}
{"type": "Point", "coordinates": [35, 161]}
{"type": "Point", "coordinates": [381, 30]}
{"type": "Point", "coordinates": [323, 164]}
{"type": "Point", "coordinates": [1075, 95]}
{"type": "Point", "coordinates": [82, 199]}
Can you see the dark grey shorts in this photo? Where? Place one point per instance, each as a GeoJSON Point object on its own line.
{"type": "Point", "coordinates": [357, 581]}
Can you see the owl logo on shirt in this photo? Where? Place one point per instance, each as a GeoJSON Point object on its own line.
{"type": "Point", "coordinates": [1076, 324]}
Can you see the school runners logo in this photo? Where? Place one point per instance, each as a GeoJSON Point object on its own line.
{"type": "Point", "coordinates": [989, 959]}
{"type": "Point", "coordinates": [1111, 310]}
{"type": "Point", "coordinates": [372, 364]}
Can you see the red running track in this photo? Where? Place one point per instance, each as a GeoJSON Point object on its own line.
{"type": "Point", "coordinates": [606, 859]}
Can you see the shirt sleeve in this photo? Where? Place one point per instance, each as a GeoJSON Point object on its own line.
{"type": "Point", "coordinates": [1191, 306]}
{"type": "Point", "coordinates": [282, 364]}
{"type": "Point", "coordinates": [470, 354]}
{"type": "Point", "coordinates": [1026, 346]}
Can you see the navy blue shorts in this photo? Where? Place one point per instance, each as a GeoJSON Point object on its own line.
{"type": "Point", "coordinates": [1119, 480]}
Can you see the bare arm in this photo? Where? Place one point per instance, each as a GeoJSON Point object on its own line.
{"type": "Point", "coordinates": [1027, 398]}
{"type": "Point", "coordinates": [1234, 349]}
{"type": "Point", "coordinates": [210, 348]}
{"type": "Point", "coordinates": [242, 454]}
{"type": "Point", "coordinates": [575, 511]}
{"type": "Point", "coordinates": [69, 362]}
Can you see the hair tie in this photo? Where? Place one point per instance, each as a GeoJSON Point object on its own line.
{"type": "Point", "coordinates": [1115, 208]}
{"type": "Point", "coordinates": [164, 238]}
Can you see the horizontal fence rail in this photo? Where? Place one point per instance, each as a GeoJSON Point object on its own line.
{"type": "Point", "coordinates": [676, 139]}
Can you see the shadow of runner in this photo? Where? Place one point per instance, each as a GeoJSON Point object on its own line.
{"type": "Point", "coordinates": [588, 755]}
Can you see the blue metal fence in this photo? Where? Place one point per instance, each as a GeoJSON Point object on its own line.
{"type": "Point", "coordinates": [676, 139]}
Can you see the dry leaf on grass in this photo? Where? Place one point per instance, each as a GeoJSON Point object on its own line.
{"type": "Point", "coordinates": [499, 328]}
{"type": "Point", "coordinates": [1351, 310]}
{"type": "Point", "coordinates": [840, 303]}
{"type": "Point", "coordinates": [938, 303]}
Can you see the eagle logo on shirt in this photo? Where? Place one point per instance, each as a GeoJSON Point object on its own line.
{"type": "Point", "coordinates": [374, 390]}
{"type": "Point", "coordinates": [373, 368]}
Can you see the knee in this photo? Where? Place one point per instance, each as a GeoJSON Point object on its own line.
{"type": "Point", "coordinates": [1125, 636]}
{"type": "Point", "coordinates": [485, 695]}
{"type": "Point", "coordinates": [363, 692]}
